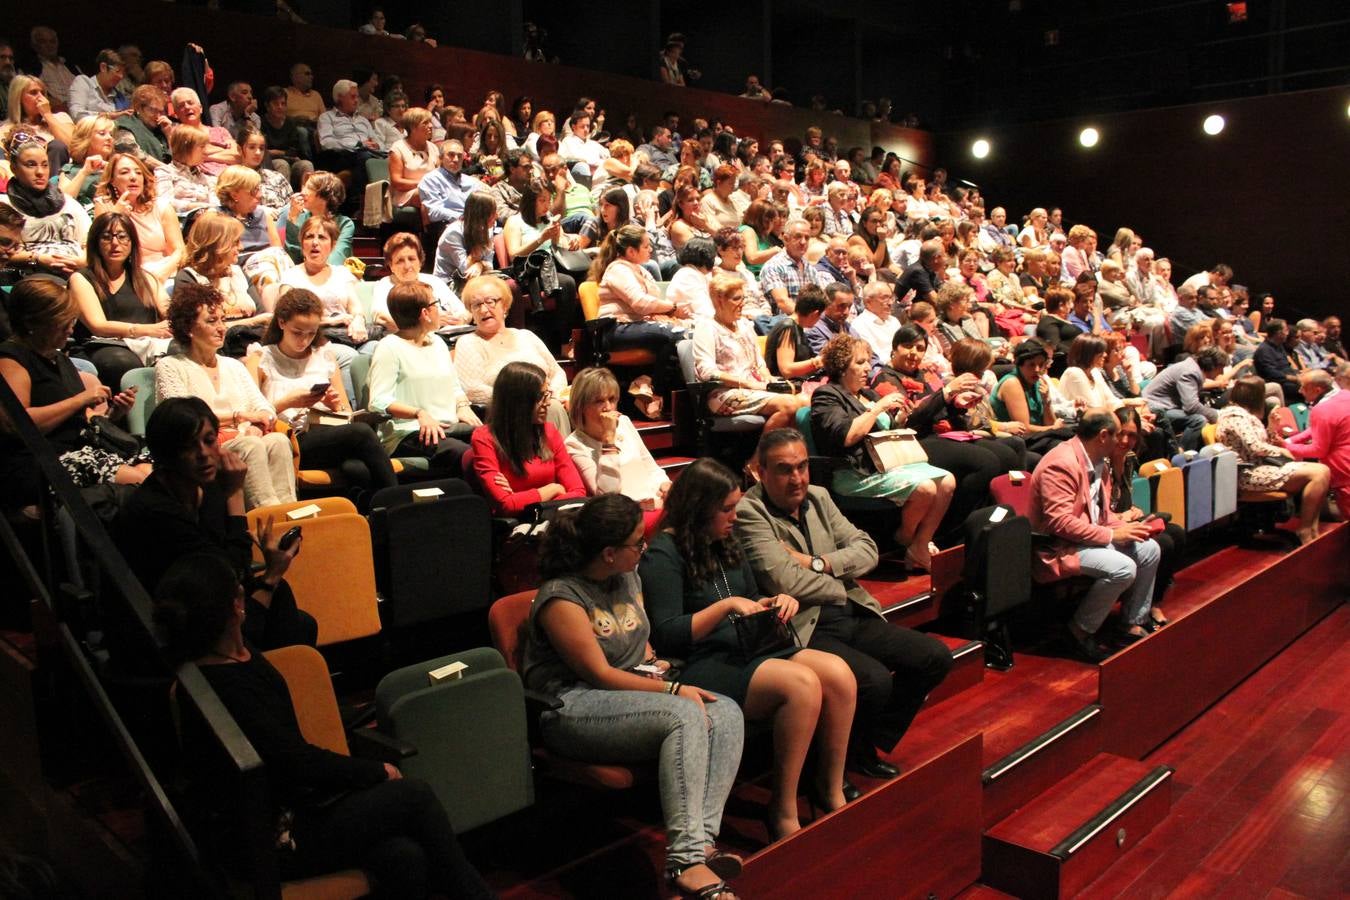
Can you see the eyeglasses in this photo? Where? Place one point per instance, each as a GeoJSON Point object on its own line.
{"type": "Point", "coordinates": [640, 546]}
{"type": "Point", "coordinates": [485, 302]}
{"type": "Point", "coordinates": [114, 237]}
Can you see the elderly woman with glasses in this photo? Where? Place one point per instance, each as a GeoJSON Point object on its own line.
{"type": "Point", "coordinates": [481, 356]}
{"type": "Point", "coordinates": [519, 458]}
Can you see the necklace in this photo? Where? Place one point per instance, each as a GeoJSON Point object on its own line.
{"type": "Point", "coordinates": [725, 584]}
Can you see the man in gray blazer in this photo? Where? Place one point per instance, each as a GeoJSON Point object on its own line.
{"type": "Point", "coordinates": [799, 543]}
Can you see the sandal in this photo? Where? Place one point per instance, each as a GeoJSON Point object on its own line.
{"type": "Point", "coordinates": [707, 892]}
{"type": "Point", "coordinates": [724, 865]}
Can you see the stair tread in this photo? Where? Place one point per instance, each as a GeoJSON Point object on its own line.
{"type": "Point", "coordinates": [1085, 792]}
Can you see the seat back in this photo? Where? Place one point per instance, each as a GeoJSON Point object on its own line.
{"type": "Point", "coordinates": [1209, 434]}
{"type": "Point", "coordinates": [1199, 478]}
{"type": "Point", "coordinates": [311, 690]}
{"type": "Point", "coordinates": [998, 555]}
{"type": "Point", "coordinates": [684, 350]}
{"type": "Point", "coordinates": [802, 419]}
{"type": "Point", "coordinates": [365, 295]}
{"type": "Point", "coordinates": [1141, 494]}
{"type": "Point", "coordinates": [360, 372]}
{"type": "Point", "coordinates": [588, 294]}
{"type": "Point", "coordinates": [328, 506]}
{"type": "Point", "coordinates": [1300, 413]}
{"type": "Point", "coordinates": [1225, 484]}
{"type": "Point", "coordinates": [437, 558]}
{"type": "Point", "coordinates": [1170, 495]}
{"type": "Point", "coordinates": [1017, 496]}
{"type": "Point", "coordinates": [333, 577]}
{"type": "Point", "coordinates": [508, 619]}
{"type": "Point", "coordinates": [400, 494]}
{"type": "Point", "coordinates": [377, 169]}
{"type": "Point", "coordinates": [143, 380]}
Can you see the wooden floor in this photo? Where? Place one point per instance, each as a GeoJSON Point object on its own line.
{"type": "Point", "coordinates": [1261, 804]}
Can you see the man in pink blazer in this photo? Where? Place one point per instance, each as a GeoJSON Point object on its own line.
{"type": "Point", "coordinates": [1327, 437]}
{"type": "Point", "coordinates": [1071, 500]}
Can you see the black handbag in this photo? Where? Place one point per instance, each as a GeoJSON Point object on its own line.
{"type": "Point", "coordinates": [537, 276]}
{"type": "Point", "coordinates": [338, 334]}
{"type": "Point", "coordinates": [103, 433]}
{"type": "Point", "coordinates": [763, 633]}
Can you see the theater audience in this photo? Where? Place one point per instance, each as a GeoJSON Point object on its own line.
{"type": "Point", "coordinates": [341, 810]}
{"type": "Point", "coordinates": [1053, 328]}
{"type": "Point", "coordinates": [787, 352]}
{"type": "Point", "coordinates": [57, 397]}
{"type": "Point", "coordinates": [783, 276]}
{"type": "Point", "coordinates": [413, 381]}
{"type": "Point", "coordinates": [286, 141]}
{"type": "Point", "coordinates": [290, 362]}
{"type": "Point", "coordinates": [1071, 502]}
{"type": "Point", "coordinates": [261, 254]}
{"type": "Point", "coordinates": [444, 188]}
{"type": "Point", "coordinates": [798, 543]}
{"type": "Point", "coordinates": [1023, 396]}
{"type": "Point", "coordinates": [606, 448]}
{"type": "Point", "coordinates": [54, 226]}
{"type": "Point", "coordinates": [1270, 465]}
{"type": "Point", "coordinates": [843, 413]}
{"type": "Point", "coordinates": [219, 148]}
{"type": "Point", "coordinates": [184, 181]}
{"type": "Point", "coordinates": [587, 630]}
{"type": "Point", "coordinates": [197, 320]}
{"type": "Point", "coordinates": [121, 307]}
{"type": "Point", "coordinates": [1175, 395]}
{"type": "Point", "coordinates": [696, 581]}
{"type": "Point", "coordinates": [128, 187]}
{"type": "Point", "coordinates": [403, 257]}
{"type": "Point", "coordinates": [518, 456]}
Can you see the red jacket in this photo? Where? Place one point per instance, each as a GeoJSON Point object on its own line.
{"type": "Point", "coordinates": [1060, 492]}
{"type": "Point", "coordinates": [1327, 438]}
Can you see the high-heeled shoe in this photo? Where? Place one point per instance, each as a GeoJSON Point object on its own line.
{"type": "Point", "coordinates": [816, 801]}
{"type": "Point", "coordinates": [707, 892]}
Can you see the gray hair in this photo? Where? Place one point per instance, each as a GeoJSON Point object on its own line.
{"type": "Point", "coordinates": [343, 87]}
{"type": "Point", "coordinates": [1307, 325]}
{"type": "Point", "coordinates": [1143, 253]}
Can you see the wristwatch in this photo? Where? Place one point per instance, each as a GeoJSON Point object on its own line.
{"type": "Point", "coordinates": [817, 565]}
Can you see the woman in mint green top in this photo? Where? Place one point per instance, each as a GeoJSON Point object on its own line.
{"type": "Point", "coordinates": [761, 218]}
{"type": "Point", "coordinates": [322, 195]}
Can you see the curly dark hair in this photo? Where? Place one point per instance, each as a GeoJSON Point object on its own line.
{"type": "Point", "coordinates": [838, 355]}
{"type": "Point", "coordinates": [693, 500]}
{"type": "Point", "coordinates": [188, 300]}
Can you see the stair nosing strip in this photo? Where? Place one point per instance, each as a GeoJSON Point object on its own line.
{"type": "Point", "coordinates": [917, 599]}
{"type": "Point", "coordinates": [967, 648]}
{"type": "Point", "coordinates": [1117, 808]}
{"type": "Point", "coordinates": [1039, 743]}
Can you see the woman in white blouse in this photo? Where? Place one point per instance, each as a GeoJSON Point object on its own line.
{"type": "Point", "coordinates": [688, 289]}
{"type": "Point", "coordinates": [403, 256]}
{"type": "Point", "coordinates": [212, 257]}
{"type": "Point", "coordinates": [646, 320]}
{"type": "Point", "coordinates": [246, 417]}
{"type": "Point", "coordinates": [1085, 384]}
{"type": "Point", "coordinates": [413, 381]}
{"type": "Point", "coordinates": [725, 352]}
{"type": "Point", "coordinates": [481, 355]}
{"type": "Point", "coordinates": [297, 371]}
{"type": "Point", "coordinates": [606, 447]}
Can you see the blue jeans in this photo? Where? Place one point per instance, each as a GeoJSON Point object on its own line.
{"type": "Point", "coordinates": [1123, 572]}
{"type": "Point", "coordinates": [697, 753]}
{"type": "Point", "coordinates": [655, 337]}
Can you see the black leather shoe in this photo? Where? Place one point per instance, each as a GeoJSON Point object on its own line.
{"type": "Point", "coordinates": [873, 768]}
{"type": "Point", "coordinates": [1088, 648]}
{"type": "Point", "coordinates": [851, 791]}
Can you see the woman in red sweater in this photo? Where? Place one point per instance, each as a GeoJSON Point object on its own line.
{"type": "Point", "coordinates": [518, 457]}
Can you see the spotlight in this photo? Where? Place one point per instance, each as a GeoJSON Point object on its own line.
{"type": "Point", "coordinates": [979, 149]}
{"type": "Point", "coordinates": [1088, 137]}
{"type": "Point", "coordinates": [1214, 124]}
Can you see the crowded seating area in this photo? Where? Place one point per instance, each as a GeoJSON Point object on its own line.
{"type": "Point", "coordinates": [688, 394]}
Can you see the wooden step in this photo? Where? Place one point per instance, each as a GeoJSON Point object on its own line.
{"type": "Point", "coordinates": [1036, 765]}
{"type": "Point", "coordinates": [674, 465]}
{"type": "Point", "coordinates": [915, 836]}
{"type": "Point", "coordinates": [1230, 613]}
{"type": "Point", "coordinates": [1073, 832]}
{"type": "Point", "coordinates": [967, 669]}
{"type": "Point", "coordinates": [658, 435]}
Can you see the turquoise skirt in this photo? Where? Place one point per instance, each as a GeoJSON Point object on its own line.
{"type": "Point", "coordinates": [897, 484]}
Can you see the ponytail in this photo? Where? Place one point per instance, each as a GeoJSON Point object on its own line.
{"type": "Point", "coordinates": [621, 239]}
{"type": "Point", "coordinates": [576, 537]}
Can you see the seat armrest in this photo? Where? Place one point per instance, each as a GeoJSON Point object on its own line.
{"type": "Point", "coordinates": [368, 743]}
{"type": "Point", "coordinates": [822, 470]}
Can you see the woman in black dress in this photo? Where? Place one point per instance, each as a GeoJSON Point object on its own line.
{"type": "Point", "coordinates": [694, 581]}
{"type": "Point", "coordinates": [333, 811]}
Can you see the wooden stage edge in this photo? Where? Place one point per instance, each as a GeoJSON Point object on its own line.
{"type": "Point", "coordinates": [916, 836]}
{"type": "Point", "coordinates": [1156, 687]}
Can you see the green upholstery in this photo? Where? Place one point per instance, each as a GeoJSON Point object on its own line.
{"type": "Point", "coordinates": [143, 379]}
{"type": "Point", "coordinates": [470, 734]}
{"type": "Point", "coordinates": [1300, 411]}
{"type": "Point", "coordinates": [802, 419]}
{"type": "Point", "coordinates": [365, 295]}
{"type": "Point", "coordinates": [377, 169]}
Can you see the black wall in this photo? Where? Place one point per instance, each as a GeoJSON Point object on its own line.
{"type": "Point", "coordinates": [1268, 196]}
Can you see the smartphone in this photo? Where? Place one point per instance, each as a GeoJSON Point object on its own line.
{"type": "Point", "coordinates": [289, 539]}
{"type": "Point", "coordinates": [319, 387]}
{"type": "Point", "coordinates": [1148, 518]}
